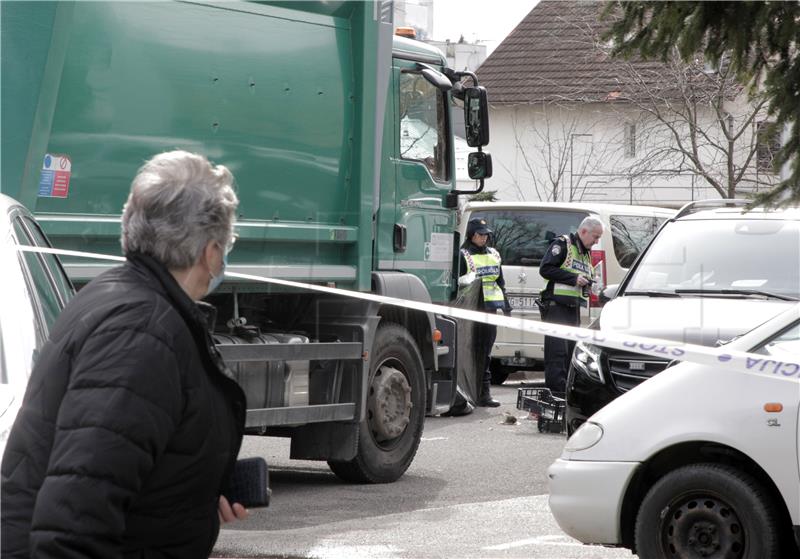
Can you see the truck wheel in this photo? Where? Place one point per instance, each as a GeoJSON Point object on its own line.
{"type": "Point", "coordinates": [499, 372]}
{"type": "Point", "coordinates": [707, 510]}
{"type": "Point", "coordinates": [390, 433]}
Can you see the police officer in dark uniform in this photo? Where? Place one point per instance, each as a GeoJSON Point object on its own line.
{"type": "Point", "coordinates": [480, 262]}
{"type": "Point", "coordinates": [567, 265]}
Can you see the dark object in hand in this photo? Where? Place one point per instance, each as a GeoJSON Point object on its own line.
{"type": "Point", "coordinates": [543, 305]}
{"type": "Point", "coordinates": [587, 288]}
{"type": "Point", "coordinates": [249, 483]}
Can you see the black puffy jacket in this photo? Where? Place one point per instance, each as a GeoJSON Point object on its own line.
{"type": "Point", "coordinates": [128, 428]}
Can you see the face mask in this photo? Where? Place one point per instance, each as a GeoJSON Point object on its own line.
{"type": "Point", "coordinates": [217, 280]}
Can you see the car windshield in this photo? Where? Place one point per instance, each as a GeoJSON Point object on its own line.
{"type": "Point", "coordinates": [522, 236]}
{"type": "Point", "coordinates": [731, 257]}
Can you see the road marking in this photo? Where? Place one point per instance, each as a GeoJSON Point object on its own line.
{"type": "Point", "coordinates": [555, 539]}
{"type": "Point", "coordinates": [354, 551]}
{"type": "Point", "coordinates": [433, 439]}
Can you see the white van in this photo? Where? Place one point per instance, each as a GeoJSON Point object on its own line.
{"type": "Point", "coordinates": [522, 233]}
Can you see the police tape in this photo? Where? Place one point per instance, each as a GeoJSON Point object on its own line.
{"type": "Point", "coordinates": [724, 358]}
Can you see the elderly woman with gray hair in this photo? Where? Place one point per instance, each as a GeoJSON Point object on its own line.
{"type": "Point", "coordinates": [130, 424]}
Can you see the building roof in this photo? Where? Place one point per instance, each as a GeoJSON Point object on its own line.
{"type": "Point", "coordinates": [555, 54]}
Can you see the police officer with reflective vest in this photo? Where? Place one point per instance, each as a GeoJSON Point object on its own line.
{"type": "Point", "coordinates": [481, 262]}
{"type": "Point", "coordinates": [567, 265]}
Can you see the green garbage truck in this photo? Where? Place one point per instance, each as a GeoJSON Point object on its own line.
{"type": "Point", "coordinates": [340, 136]}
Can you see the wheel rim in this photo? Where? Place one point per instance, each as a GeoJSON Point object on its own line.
{"type": "Point", "coordinates": [388, 405]}
{"type": "Point", "coordinates": [702, 525]}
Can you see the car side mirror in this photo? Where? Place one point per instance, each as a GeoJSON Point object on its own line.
{"type": "Point", "coordinates": [476, 116]}
{"type": "Point", "coordinates": [479, 165]}
{"type": "Point", "coordinates": [609, 293]}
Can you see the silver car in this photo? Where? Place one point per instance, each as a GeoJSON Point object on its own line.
{"type": "Point", "coordinates": [35, 290]}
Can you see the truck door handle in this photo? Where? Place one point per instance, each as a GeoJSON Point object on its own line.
{"type": "Point", "coordinates": [400, 236]}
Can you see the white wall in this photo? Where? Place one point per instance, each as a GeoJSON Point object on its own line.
{"type": "Point", "coordinates": [582, 148]}
{"type": "Point", "coordinates": [461, 56]}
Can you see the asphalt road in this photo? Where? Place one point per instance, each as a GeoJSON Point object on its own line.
{"type": "Point", "coordinates": [477, 488]}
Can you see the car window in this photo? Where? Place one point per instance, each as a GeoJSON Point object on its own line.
{"type": "Point", "coordinates": [423, 124]}
{"type": "Point", "coordinates": [723, 254]}
{"type": "Point", "coordinates": [522, 236]}
{"type": "Point", "coordinates": [785, 345]}
{"type": "Point", "coordinates": [47, 298]}
{"type": "Point", "coordinates": [630, 234]}
{"type": "Point", "coordinates": [57, 273]}
{"type": "Point", "coordinates": [21, 330]}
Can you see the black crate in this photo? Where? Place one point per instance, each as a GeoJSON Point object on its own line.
{"type": "Point", "coordinates": [548, 409]}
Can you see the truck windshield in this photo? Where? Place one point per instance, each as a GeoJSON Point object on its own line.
{"type": "Point", "coordinates": [728, 257]}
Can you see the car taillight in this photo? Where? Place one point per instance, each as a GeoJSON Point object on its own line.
{"type": "Point", "coordinates": [599, 263]}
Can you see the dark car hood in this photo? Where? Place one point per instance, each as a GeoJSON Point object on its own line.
{"type": "Point", "coordinates": [690, 319]}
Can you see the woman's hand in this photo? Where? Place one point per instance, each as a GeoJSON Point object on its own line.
{"type": "Point", "coordinates": [228, 512]}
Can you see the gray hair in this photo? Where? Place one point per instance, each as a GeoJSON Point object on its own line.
{"type": "Point", "coordinates": [178, 202]}
{"type": "Point", "coordinates": [590, 222]}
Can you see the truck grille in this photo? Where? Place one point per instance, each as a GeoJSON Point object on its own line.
{"type": "Point", "coordinates": [628, 370]}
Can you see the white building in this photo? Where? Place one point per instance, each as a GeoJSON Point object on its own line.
{"type": "Point", "coordinates": [570, 123]}
{"type": "Point", "coordinates": [461, 56]}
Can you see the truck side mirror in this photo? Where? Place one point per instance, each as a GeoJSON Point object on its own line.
{"type": "Point", "coordinates": [479, 165]}
{"type": "Point", "coordinates": [437, 79]}
{"type": "Point", "coordinates": [476, 116]}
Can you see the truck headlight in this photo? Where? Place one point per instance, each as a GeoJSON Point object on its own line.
{"type": "Point", "coordinates": [587, 435]}
{"type": "Point", "coordinates": [586, 358]}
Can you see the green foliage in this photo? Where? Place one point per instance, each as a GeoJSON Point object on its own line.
{"type": "Point", "coordinates": [760, 41]}
{"type": "Point", "coordinates": [485, 196]}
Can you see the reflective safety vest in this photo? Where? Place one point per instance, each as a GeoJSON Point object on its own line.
{"type": "Point", "coordinates": [487, 267]}
{"type": "Point", "coordinates": [579, 264]}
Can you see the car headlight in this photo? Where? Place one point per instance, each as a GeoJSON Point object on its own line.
{"type": "Point", "coordinates": [586, 358]}
{"type": "Point", "coordinates": [587, 435]}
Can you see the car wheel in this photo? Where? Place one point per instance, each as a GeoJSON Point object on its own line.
{"type": "Point", "coordinates": [707, 510]}
{"type": "Point", "coordinates": [389, 436]}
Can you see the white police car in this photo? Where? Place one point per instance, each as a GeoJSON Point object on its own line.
{"type": "Point", "coordinates": [698, 461]}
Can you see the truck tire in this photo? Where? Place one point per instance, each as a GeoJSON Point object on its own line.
{"type": "Point", "coordinates": [390, 433]}
{"type": "Point", "coordinates": [707, 510]}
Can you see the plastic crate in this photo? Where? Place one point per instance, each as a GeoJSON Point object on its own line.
{"type": "Point", "coordinates": [548, 409]}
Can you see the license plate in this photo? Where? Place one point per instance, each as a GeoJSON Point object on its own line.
{"type": "Point", "coordinates": [522, 302]}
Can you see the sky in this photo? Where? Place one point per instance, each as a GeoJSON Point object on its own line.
{"type": "Point", "coordinates": [487, 22]}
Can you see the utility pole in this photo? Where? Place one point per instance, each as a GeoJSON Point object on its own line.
{"type": "Point", "coordinates": [571, 170]}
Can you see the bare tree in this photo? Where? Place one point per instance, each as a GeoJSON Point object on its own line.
{"type": "Point", "coordinates": [697, 119]}
{"type": "Point", "coordinates": [546, 138]}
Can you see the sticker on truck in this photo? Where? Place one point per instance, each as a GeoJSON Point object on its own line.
{"type": "Point", "coordinates": [54, 178]}
{"type": "Point", "coordinates": [440, 248]}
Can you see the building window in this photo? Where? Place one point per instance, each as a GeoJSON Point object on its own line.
{"type": "Point", "coordinates": [630, 140]}
{"type": "Point", "coordinates": [768, 142]}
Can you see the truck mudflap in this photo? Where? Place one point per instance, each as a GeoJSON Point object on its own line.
{"type": "Point", "coordinates": [390, 433]}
